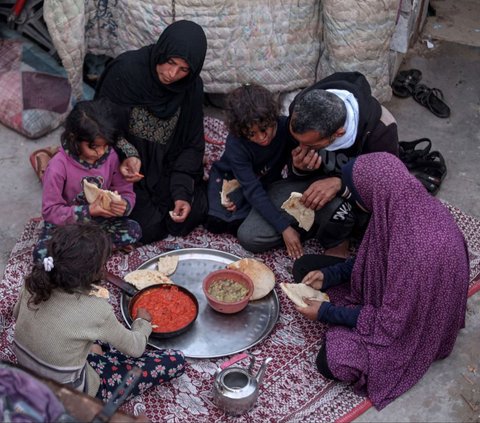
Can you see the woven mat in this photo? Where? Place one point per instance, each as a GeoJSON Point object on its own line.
{"type": "Point", "coordinates": [292, 390]}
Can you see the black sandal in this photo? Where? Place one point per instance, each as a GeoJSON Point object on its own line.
{"type": "Point", "coordinates": [431, 171]}
{"type": "Point", "coordinates": [405, 82]}
{"type": "Point", "coordinates": [431, 184]}
{"type": "Point", "coordinates": [409, 153]}
{"type": "Point", "coordinates": [432, 99]}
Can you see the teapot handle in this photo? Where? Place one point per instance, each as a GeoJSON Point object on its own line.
{"type": "Point", "coordinates": [233, 360]}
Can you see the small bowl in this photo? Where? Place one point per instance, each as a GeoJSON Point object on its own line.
{"type": "Point", "coordinates": [235, 275]}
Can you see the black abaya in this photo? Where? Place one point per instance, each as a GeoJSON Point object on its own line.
{"type": "Point", "coordinates": [165, 124]}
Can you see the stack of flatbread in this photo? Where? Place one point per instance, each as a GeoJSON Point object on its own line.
{"type": "Point", "coordinates": [294, 207]}
{"type": "Point", "coordinates": [262, 277]}
{"type": "Point", "coordinates": [92, 192]}
{"type": "Point", "coordinates": [227, 188]}
{"type": "Point", "coordinates": [144, 278]}
{"type": "Point", "coordinates": [296, 292]}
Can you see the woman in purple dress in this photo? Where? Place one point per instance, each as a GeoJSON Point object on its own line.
{"type": "Point", "coordinates": [408, 284]}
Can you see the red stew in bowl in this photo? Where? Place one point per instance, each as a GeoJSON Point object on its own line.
{"type": "Point", "coordinates": [170, 308]}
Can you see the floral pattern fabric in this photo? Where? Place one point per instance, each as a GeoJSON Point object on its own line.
{"type": "Point", "coordinates": [126, 148]}
{"type": "Point", "coordinates": [157, 367]}
{"type": "Point", "coordinates": [144, 124]}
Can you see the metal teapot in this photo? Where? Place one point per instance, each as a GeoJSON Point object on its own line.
{"type": "Point", "coordinates": [235, 390]}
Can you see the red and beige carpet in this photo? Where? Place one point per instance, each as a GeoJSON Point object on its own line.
{"type": "Point", "coordinates": [292, 390]}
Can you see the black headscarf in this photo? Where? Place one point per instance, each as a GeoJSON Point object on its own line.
{"type": "Point", "coordinates": [131, 79]}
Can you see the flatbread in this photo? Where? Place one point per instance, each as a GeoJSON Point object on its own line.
{"type": "Point", "coordinates": [294, 207]}
{"type": "Point", "coordinates": [262, 277]}
{"type": "Point", "coordinates": [143, 278]}
{"type": "Point", "coordinates": [92, 192]}
{"type": "Point", "coordinates": [99, 291]}
{"type": "Point", "coordinates": [227, 188]}
{"type": "Point", "coordinates": [296, 291]}
{"type": "Point", "coordinates": [167, 264]}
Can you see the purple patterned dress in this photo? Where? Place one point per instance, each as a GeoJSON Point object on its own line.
{"type": "Point", "coordinates": [411, 276]}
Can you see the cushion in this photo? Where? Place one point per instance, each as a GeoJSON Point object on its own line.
{"type": "Point", "coordinates": [36, 95]}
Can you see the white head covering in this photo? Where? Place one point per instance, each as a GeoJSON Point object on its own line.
{"type": "Point", "coordinates": [351, 123]}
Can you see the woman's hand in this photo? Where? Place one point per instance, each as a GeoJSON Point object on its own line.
{"type": "Point", "coordinates": [181, 211]}
{"type": "Point", "coordinates": [96, 209]}
{"type": "Point", "coordinates": [118, 207]}
{"type": "Point", "coordinates": [142, 313]}
{"type": "Point", "coordinates": [311, 311]}
{"type": "Point", "coordinates": [314, 279]}
{"type": "Point", "coordinates": [321, 192]}
{"type": "Point", "coordinates": [292, 241]}
{"type": "Point", "coordinates": [130, 169]}
{"type": "Point", "coordinates": [306, 158]}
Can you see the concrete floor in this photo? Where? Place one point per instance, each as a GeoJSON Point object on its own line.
{"type": "Point", "coordinates": [450, 391]}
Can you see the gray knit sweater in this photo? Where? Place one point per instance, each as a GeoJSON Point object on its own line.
{"type": "Point", "coordinates": [54, 337]}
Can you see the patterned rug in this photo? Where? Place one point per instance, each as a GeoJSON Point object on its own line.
{"type": "Point", "coordinates": [292, 390]}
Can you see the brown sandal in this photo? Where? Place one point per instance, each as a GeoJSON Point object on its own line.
{"type": "Point", "coordinates": [39, 160]}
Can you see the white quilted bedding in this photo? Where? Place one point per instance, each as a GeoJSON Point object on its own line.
{"type": "Point", "coordinates": [275, 43]}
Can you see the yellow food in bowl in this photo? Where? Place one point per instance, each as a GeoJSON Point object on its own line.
{"type": "Point", "coordinates": [227, 290]}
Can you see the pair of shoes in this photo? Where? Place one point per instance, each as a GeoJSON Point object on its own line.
{"type": "Point", "coordinates": [39, 159]}
{"type": "Point", "coordinates": [432, 99]}
{"type": "Point", "coordinates": [410, 154]}
{"type": "Point", "coordinates": [404, 83]}
{"type": "Point", "coordinates": [431, 171]}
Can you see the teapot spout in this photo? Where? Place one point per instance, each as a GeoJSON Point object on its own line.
{"type": "Point", "coordinates": [261, 371]}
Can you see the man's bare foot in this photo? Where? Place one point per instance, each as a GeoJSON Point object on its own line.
{"type": "Point", "coordinates": [341, 250]}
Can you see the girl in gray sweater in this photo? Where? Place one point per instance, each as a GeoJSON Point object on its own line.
{"type": "Point", "coordinates": [60, 317]}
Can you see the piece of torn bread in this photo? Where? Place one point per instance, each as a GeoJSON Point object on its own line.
{"type": "Point", "coordinates": [99, 291]}
{"type": "Point", "coordinates": [143, 278]}
{"type": "Point", "coordinates": [167, 264]}
{"type": "Point", "coordinates": [262, 277]}
{"type": "Point", "coordinates": [227, 188]}
{"type": "Point", "coordinates": [92, 192]}
{"type": "Point", "coordinates": [305, 216]}
{"type": "Point", "coordinates": [296, 292]}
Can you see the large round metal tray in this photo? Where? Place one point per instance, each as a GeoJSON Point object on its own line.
{"type": "Point", "coordinates": [213, 334]}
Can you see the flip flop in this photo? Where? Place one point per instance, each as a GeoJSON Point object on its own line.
{"type": "Point", "coordinates": [432, 99]}
{"type": "Point", "coordinates": [404, 83]}
{"type": "Point", "coordinates": [431, 171]}
{"type": "Point", "coordinates": [39, 160]}
{"type": "Point", "coordinates": [52, 149]}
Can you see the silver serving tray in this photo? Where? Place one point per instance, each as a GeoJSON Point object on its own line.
{"type": "Point", "coordinates": [213, 334]}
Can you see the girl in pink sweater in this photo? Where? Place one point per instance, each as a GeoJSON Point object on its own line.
{"type": "Point", "coordinates": [87, 154]}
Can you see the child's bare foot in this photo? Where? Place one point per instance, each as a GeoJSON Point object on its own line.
{"type": "Point", "coordinates": [96, 349]}
{"type": "Point", "coordinates": [341, 250]}
{"type": "Point", "coordinates": [126, 249]}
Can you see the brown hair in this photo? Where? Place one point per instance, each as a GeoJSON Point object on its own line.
{"type": "Point", "coordinates": [87, 121]}
{"type": "Point", "coordinates": [248, 105]}
{"type": "Point", "coordinates": [79, 252]}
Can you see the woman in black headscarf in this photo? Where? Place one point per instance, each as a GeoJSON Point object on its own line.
{"type": "Point", "coordinates": [160, 93]}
